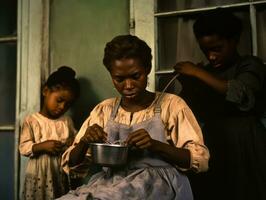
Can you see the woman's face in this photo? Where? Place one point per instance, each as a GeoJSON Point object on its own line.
{"type": "Point", "coordinates": [129, 78]}
{"type": "Point", "coordinates": [56, 102]}
{"type": "Point", "coordinates": [219, 51]}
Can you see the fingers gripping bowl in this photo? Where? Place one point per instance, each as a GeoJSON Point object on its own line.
{"type": "Point", "coordinates": [109, 154]}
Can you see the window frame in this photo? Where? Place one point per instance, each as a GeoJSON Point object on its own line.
{"type": "Point", "coordinates": [153, 33]}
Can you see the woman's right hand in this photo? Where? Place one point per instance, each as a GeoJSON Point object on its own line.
{"type": "Point", "coordinates": [94, 133]}
{"type": "Point", "coordinates": [188, 68]}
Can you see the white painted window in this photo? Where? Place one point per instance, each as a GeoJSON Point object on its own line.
{"type": "Point", "coordinates": [170, 34]}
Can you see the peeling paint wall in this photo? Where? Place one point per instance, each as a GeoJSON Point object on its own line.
{"type": "Point", "coordinates": [79, 30]}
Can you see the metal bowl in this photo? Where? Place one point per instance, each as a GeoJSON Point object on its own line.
{"type": "Point", "coordinates": [109, 154]}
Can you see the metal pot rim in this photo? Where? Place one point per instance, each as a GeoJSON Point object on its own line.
{"type": "Point", "coordinates": [108, 145]}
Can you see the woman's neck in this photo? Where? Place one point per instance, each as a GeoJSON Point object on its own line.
{"type": "Point", "coordinates": [138, 104]}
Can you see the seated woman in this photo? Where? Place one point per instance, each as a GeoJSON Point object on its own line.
{"type": "Point", "coordinates": [166, 137]}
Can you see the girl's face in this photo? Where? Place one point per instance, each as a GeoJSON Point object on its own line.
{"type": "Point", "coordinates": [129, 78]}
{"type": "Point", "coordinates": [219, 51]}
{"type": "Point", "coordinates": [56, 102]}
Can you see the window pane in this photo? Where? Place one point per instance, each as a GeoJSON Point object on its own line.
{"type": "Point", "coordinates": [7, 83]}
{"type": "Point", "coordinates": [7, 164]}
{"type": "Point", "coordinates": [172, 5]}
{"type": "Point", "coordinates": [176, 41]}
{"type": "Point", "coordinates": [8, 17]}
{"type": "Point", "coordinates": [245, 43]}
{"type": "Point", "coordinates": [261, 29]}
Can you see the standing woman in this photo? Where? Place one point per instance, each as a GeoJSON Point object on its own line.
{"type": "Point", "coordinates": [228, 98]}
{"type": "Point", "coordinates": [166, 137]}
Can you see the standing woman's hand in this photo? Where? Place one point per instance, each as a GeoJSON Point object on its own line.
{"type": "Point", "coordinates": [94, 133]}
{"type": "Point", "coordinates": [140, 139]}
{"type": "Point", "coordinates": [188, 68]}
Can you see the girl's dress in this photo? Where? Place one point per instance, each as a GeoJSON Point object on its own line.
{"type": "Point", "coordinates": [44, 177]}
{"type": "Point", "coordinates": [146, 175]}
{"type": "Point", "coordinates": [232, 130]}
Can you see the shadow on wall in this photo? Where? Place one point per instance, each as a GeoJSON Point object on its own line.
{"type": "Point", "coordinates": [87, 101]}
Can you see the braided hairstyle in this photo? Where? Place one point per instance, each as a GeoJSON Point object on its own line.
{"type": "Point", "coordinates": [219, 22]}
{"type": "Point", "coordinates": [64, 77]}
{"type": "Point", "coordinates": [127, 46]}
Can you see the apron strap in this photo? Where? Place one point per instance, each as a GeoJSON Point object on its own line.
{"type": "Point", "coordinates": [158, 101]}
{"type": "Point", "coordinates": [115, 109]}
{"type": "Point", "coordinates": [157, 109]}
{"type": "Point", "coordinates": [157, 113]}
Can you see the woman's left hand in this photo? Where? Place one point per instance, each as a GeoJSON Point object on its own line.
{"type": "Point", "coordinates": [140, 139]}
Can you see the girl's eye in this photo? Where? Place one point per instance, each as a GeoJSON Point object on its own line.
{"type": "Point", "coordinates": [59, 100]}
{"type": "Point", "coordinates": [136, 76]}
{"type": "Point", "coordinates": [218, 49]}
{"type": "Point", "coordinates": [214, 49]}
{"type": "Point", "coordinates": [118, 79]}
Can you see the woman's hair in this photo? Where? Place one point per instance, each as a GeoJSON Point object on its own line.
{"type": "Point", "coordinates": [64, 78]}
{"type": "Point", "coordinates": [127, 46]}
{"type": "Point", "coordinates": [218, 22]}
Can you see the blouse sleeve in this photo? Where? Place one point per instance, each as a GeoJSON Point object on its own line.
{"type": "Point", "coordinates": [26, 139]}
{"type": "Point", "coordinates": [80, 170]}
{"type": "Point", "coordinates": [99, 116]}
{"type": "Point", "coordinates": [247, 82]}
{"type": "Point", "coordinates": [185, 132]}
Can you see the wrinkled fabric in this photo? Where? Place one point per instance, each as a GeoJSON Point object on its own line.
{"type": "Point", "coordinates": [36, 129]}
{"type": "Point", "coordinates": [180, 128]}
{"type": "Point", "coordinates": [145, 176]}
{"type": "Point", "coordinates": [246, 80]}
{"type": "Point", "coordinates": [44, 179]}
{"type": "Point", "coordinates": [140, 184]}
{"type": "Point", "coordinates": [240, 94]}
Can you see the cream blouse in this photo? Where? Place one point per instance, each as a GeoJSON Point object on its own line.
{"type": "Point", "coordinates": [37, 128]}
{"type": "Point", "coordinates": [180, 126]}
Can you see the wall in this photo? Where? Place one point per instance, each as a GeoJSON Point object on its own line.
{"type": "Point", "coordinates": [79, 30]}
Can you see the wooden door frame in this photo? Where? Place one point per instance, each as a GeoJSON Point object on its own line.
{"type": "Point", "coordinates": [32, 66]}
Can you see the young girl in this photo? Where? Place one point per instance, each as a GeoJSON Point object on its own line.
{"type": "Point", "coordinates": [46, 134]}
{"type": "Point", "coordinates": [162, 129]}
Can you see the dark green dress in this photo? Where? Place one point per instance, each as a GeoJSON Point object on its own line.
{"type": "Point", "coordinates": [232, 130]}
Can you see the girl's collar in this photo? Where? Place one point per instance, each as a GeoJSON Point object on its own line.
{"type": "Point", "coordinates": [47, 118]}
